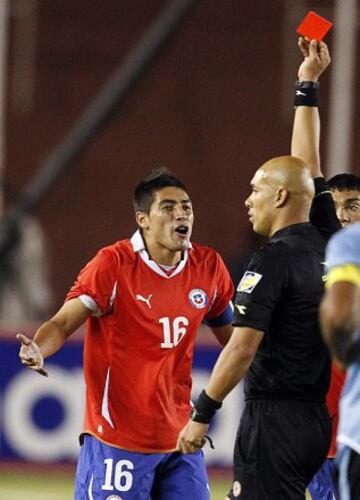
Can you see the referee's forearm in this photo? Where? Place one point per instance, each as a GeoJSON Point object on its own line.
{"type": "Point", "coordinates": [305, 143]}
{"type": "Point", "coordinates": [233, 362]}
{"type": "Point", "coordinates": [227, 373]}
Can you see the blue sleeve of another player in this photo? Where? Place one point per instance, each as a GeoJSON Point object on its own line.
{"type": "Point", "coordinates": [225, 317]}
{"type": "Point", "coordinates": [343, 248]}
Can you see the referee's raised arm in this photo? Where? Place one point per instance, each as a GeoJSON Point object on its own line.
{"type": "Point", "coordinates": [305, 142]}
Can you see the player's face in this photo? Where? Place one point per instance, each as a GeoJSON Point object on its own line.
{"type": "Point", "coordinates": [260, 204]}
{"type": "Point", "coordinates": [347, 205]}
{"type": "Point", "coordinates": [168, 226]}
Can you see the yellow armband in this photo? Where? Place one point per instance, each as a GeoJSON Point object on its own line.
{"type": "Point", "coordinates": [347, 272]}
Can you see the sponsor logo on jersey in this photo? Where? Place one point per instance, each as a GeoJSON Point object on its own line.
{"type": "Point", "coordinates": [198, 298]}
{"type": "Point", "coordinates": [144, 299]}
{"type": "Point", "coordinates": [249, 281]}
{"type": "Point", "coordinates": [236, 488]}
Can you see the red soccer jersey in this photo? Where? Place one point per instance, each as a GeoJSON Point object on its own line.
{"type": "Point", "coordinates": [138, 351]}
{"type": "Point", "coordinates": [332, 401]}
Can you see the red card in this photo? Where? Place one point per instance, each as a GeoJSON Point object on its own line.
{"type": "Point", "coordinates": [314, 26]}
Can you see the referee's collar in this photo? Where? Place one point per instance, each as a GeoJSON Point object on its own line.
{"type": "Point", "coordinates": [289, 230]}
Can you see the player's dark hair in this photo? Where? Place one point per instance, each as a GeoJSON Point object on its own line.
{"type": "Point", "coordinates": [157, 179]}
{"type": "Point", "coordinates": [344, 182]}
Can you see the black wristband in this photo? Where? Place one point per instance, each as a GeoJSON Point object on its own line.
{"type": "Point", "coordinates": [320, 186]}
{"type": "Point", "coordinates": [306, 94]}
{"type": "Point", "coordinates": [204, 409]}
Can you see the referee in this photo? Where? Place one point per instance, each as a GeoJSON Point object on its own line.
{"type": "Point", "coordinates": [285, 430]}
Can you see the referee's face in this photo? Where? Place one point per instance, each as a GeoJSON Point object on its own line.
{"type": "Point", "coordinates": [260, 203]}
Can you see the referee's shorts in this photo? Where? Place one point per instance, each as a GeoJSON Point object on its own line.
{"type": "Point", "coordinates": [279, 447]}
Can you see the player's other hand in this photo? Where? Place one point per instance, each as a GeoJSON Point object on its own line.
{"type": "Point", "coordinates": [30, 354]}
{"type": "Point", "coordinates": [192, 437]}
{"type": "Point", "coordinates": [316, 59]}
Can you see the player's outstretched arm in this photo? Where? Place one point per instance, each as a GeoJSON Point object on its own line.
{"type": "Point", "coordinates": [51, 336]}
{"type": "Point", "coordinates": [305, 142]}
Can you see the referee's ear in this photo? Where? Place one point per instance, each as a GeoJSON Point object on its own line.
{"type": "Point", "coordinates": [282, 195]}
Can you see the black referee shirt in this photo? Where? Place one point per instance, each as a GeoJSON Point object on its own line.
{"type": "Point", "coordinates": [279, 294]}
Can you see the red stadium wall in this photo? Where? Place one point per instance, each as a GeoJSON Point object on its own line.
{"type": "Point", "coordinates": [213, 107]}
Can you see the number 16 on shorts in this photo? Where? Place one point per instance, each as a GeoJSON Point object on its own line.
{"type": "Point", "coordinates": [118, 475]}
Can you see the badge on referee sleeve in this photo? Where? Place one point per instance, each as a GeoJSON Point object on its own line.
{"type": "Point", "coordinates": [249, 281]}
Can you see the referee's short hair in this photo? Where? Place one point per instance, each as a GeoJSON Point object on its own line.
{"type": "Point", "coordinates": [344, 182]}
{"type": "Point", "coordinates": [157, 179]}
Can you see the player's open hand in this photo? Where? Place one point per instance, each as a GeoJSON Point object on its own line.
{"type": "Point", "coordinates": [192, 437]}
{"type": "Point", "coordinates": [30, 354]}
{"type": "Point", "coordinates": [316, 59]}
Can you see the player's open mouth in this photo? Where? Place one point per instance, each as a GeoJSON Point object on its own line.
{"type": "Point", "coordinates": [182, 231]}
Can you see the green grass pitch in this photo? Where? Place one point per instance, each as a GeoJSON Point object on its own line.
{"type": "Point", "coordinates": [54, 485]}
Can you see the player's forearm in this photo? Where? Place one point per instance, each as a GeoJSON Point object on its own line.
{"type": "Point", "coordinates": [338, 339]}
{"type": "Point", "coordinates": [50, 337]}
{"type": "Point", "coordinates": [305, 143]}
{"type": "Point", "coordinates": [340, 316]}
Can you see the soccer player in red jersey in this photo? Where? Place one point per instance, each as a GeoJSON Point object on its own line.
{"type": "Point", "coordinates": [345, 191]}
{"type": "Point", "coordinates": [143, 301]}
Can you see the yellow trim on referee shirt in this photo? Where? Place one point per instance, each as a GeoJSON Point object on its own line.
{"type": "Point", "coordinates": [347, 272]}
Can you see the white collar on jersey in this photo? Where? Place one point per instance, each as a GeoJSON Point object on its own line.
{"type": "Point", "coordinates": [139, 246]}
